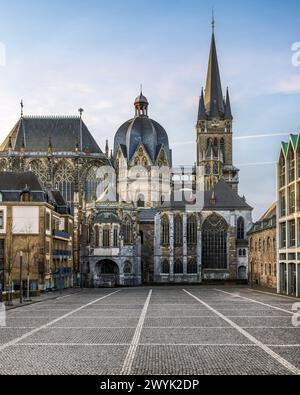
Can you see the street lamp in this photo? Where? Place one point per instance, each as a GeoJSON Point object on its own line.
{"type": "Point", "coordinates": [21, 277]}
{"type": "Point", "coordinates": [60, 274]}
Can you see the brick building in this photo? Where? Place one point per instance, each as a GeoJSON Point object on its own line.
{"type": "Point", "coordinates": [263, 251]}
{"type": "Point", "coordinates": [37, 224]}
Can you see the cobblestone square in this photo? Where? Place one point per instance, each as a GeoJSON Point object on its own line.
{"type": "Point", "coordinates": [197, 330]}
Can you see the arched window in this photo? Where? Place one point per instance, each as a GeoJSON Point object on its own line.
{"type": "Point", "coordinates": [93, 184]}
{"type": "Point", "coordinates": [207, 169]}
{"type": "Point", "coordinates": [40, 169]}
{"type": "Point", "coordinates": [165, 267]}
{"type": "Point", "coordinates": [142, 237]}
{"type": "Point", "coordinates": [240, 229]}
{"type": "Point", "coordinates": [141, 201]}
{"type": "Point", "coordinates": [97, 234]}
{"type": "Point", "coordinates": [127, 231]}
{"type": "Point", "coordinates": [214, 243]}
{"type": "Point", "coordinates": [116, 237]}
{"type": "Point", "coordinates": [64, 180]}
{"type": "Point", "coordinates": [178, 267]}
{"type": "Point", "coordinates": [106, 238]}
{"type": "Point", "coordinates": [192, 230]}
{"type": "Point", "coordinates": [222, 148]}
{"type": "Point", "coordinates": [165, 231]}
{"type": "Point", "coordinates": [127, 268]}
{"type": "Point", "coordinates": [192, 267]}
{"type": "Point", "coordinates": [209, 142]}
{"type": "Point", "coordinates": [178, 230]}
{"type": "Point", "coordinates": [244, 253]}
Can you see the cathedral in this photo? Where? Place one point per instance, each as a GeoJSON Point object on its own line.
{"type": "Point", "coordinates": [151, 223]}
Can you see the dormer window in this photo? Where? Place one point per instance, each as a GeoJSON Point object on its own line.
{"type": "Point", "coordinates": [26, 197]}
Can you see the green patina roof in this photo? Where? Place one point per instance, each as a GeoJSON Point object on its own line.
{"type": "Point", "coordinates": [294, 140]}
{"type": "Point", "coordinates": [284, 147]}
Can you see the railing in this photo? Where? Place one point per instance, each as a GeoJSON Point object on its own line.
{"type": "Point", "coordinates": [62, 253]}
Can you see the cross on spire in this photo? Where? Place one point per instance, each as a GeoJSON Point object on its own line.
{"type": "Point", "coordinates": [213, 22]}
{"type": "Point", "coordinates": [22, 108]}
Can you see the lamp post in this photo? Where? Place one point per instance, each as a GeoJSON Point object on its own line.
{"type": "Point", "coordinates": [60, 274]}
{"type": "Point", "coordinates": [21, 277]}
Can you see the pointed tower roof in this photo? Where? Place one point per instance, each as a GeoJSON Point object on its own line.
{"type": "Point", "coordinates": [202, 111]}
{"type": "Point", "coordinates": [228, 113]}
{"type": "Point", "coordinates": [214, 102]}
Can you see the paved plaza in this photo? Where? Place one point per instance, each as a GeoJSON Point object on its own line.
{"type": "Point", "coordinates": [158, 330]}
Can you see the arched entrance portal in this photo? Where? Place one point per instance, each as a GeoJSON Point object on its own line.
{"type": "Point", "coordinates": [108, 274]}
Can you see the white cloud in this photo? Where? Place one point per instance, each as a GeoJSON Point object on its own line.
{"type": "Point", "coordinates": [291, 84]}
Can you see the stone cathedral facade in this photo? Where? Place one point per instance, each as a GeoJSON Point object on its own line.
{"type": "Point", "coordinates": [145, 233]}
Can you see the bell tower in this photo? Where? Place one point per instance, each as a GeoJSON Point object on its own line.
{"type": "Point", "coordinates": [214, 128]}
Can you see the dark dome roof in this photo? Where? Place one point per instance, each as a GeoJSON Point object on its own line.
{"type": "Point", "coordinates": [142, 130]}
{"type": "Point", "coordinates": [141, 99]}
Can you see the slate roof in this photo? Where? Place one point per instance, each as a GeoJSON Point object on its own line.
{"type": "Point", "coordinates": [267, 221]}
{"type": "Point", "coordinates": [64, 132]}
{"type": "Point", "coordinates": [18, 181]}
{"type": "Point", "coordinates": [13, 184]}
{"type": "Point", "coordinates": [225, 198]}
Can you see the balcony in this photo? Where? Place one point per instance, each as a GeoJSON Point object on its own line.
{"type": "Point", "coordinates": [57, 254]}
{"type": "Point", "coordinates": [60, 234]}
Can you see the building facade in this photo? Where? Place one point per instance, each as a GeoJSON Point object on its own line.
{"type": "Point", "coordinates": [37, 225]}
{"type": "Point", "coordinates": [288, 217]}
{"type": "Point", "coordinates": [172, 240]}
{"type": "Point", "coordinates": [158, 224]}
{"type": "Point", "coordinates": [263, 251]}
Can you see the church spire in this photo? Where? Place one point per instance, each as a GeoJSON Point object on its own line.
{"type": "Point", "coordinates": [201, 111]}
{"type": "Point", "coordinates": [214, 102]}
{"type": "Point", "coordinates": [228, 112]}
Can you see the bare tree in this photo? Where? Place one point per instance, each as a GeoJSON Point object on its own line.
{"type": "Point", "coordinates": [31, 256]}
{"type": "Point", "coordinates": [10, 260]}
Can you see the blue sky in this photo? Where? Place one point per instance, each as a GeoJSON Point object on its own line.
{"type": "Point", "coordinates": [62, 55]}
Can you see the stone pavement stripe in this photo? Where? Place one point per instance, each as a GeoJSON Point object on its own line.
{"type": "Point", "coordinates": [264, 347]}
{"type": "Point", "coordinates": [156, 327]}
{"type": "Point", "coordinates": [151, 345]}
{"type": "Point", "coordinates": [127, 366]}
{"type": "Point", "coordinates": [257, 302]}
{"type": "Point", "coordinates": [19, 339]}
{"type": "Point", "coordinates": [273, 294]}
